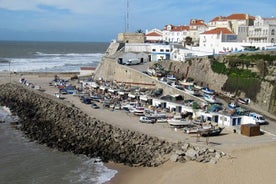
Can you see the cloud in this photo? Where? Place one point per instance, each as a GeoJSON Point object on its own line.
{"type": "Point", "coordinates": [73, 6]}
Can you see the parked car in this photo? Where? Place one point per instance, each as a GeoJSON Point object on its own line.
{"type": "Point", "coordinates": [259, 119]}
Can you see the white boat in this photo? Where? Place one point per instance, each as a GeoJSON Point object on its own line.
{"type": "Point", "coordinates": [129, 106]}
{"type": "Point", "coordinates": [94, 85]}
{"type": "Point", "coordinates": [57, 95]}
{"type": "Point", "coordinates": [210, 98]}
{"type": "Point", "coordinates": [139, 111]}
{"type": "Point", "coordinates": [144, 119]}
{"type": "Point", "coordinates": [189, 89]}
{"type": "Point", "coordinates": [206, 90]}
{"type": "Point", "coordinates": [244, 101]}
{"type": "Point", "coordinates": [171, 77]}
{"type": "Point", "coordinates": [161, 120]}
{"type": "Point", "coordinates": [232, 105]}
{"type": "Point", "coordinates": [157, 115]}
{"type": "Point", "coordinates": [178, 121]}
{"type": "Point", "coordinates": [185, 83]}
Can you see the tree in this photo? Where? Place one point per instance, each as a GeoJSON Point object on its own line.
{"type": "Point", "coordinates": [188, 40]}
{"type": "Point", "coordinates": [139, 31]}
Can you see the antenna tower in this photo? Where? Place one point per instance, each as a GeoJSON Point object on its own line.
{"type": "Point", "coordinates": [127, 16]}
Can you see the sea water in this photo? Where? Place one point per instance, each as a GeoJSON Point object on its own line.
{"type": "Point", "coordinates": [49, 56]}
{"type": "Point", "coordinates": [26, 162]}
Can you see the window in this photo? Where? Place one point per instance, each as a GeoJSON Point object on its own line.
{"type": "Point", "coordinates": [273, 32]}
{"type": "Point", "coordinates": [161, 50]}
{"type": "Point", "coordinates": [153, 50]}
{"type": "Point", "coordinates": [167, 50]}
{"type": "Point", "coordinates": [272, 40]}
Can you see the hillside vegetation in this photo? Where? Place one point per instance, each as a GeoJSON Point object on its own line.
{"type": "Point", "coordinates": [246, 72]}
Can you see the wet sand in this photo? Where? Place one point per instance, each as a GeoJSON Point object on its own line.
{"type": "Point", "coordinates": [250, 159]}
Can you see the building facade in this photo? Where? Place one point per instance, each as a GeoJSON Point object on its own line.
{"type": "Point", "coordinates": [263, 30]}
{"type": "Point", "coordinates": [175, 34]}
{"type": "Point", "coordinates": [196, 28]}
{"type": "Point", "coordinates": [154, 36]}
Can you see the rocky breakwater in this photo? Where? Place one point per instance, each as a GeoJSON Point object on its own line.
{"type": "Point", "coordinates": [63, 126]}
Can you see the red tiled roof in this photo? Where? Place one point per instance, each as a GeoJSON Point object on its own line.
{"type": "Point", "coordinates": [219, 30]}
{"type": "Point", "coordinates": [153, 34]}
{"type": "Point", "coordinates": [180, 28]}
{"type": "Point", "coordinates": [177, 28]}
{"type": "Point", "coordinates": [240, 16]}
{"type": "Point", "coordinates": [272, 18]}
{"type": "Point", "coordinates": [196, 22]}
{"type": "Point", "coordinates": [218, 18]}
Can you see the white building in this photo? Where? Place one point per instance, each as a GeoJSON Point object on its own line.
{"type": "Point", "coordinates": [140, 56]}
{"type": "Point", "coordinates": [160, 52]}
{"type": "Point", "coordinates": [175, 34]}
{"type": "Point", "coordinates": [237, 23]}
{"type": "Point", "coordinates": [196, 27]}
{"type": "Point", "coordinates": [154, 36]}
{"type": "Point", "coordinates": [263, 30]}
{"type": "Point", "coordinates": [155, 51]}
{"type": "Point", "coordinates": [218, 40]}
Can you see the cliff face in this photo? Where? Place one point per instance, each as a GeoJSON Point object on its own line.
{"type": "Point", "coordinates": [200, 70]}
{"type": "Point", "coordinates": [63, 126]}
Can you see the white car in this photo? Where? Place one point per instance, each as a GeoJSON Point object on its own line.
{"type": "Point", "coordinates": [132, 62]}
{"type": "Point", "coordinates": [257, 117]}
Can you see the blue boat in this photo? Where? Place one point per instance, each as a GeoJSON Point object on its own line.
{"type": "Point", "coordinates": [232, 105]}
{"type": "Point", "coordinates": [206, 90]}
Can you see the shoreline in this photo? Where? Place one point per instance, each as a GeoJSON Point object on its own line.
{"type": "Point", "coordinates": [243, 167]}
{"type": "Point", "coordinates": [177, 172]}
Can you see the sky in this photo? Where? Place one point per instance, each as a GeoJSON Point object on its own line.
{"type": "Point", "coordinates": [102, 20]}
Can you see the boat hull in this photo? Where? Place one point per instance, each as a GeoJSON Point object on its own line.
{"type": "Point", "coordinates": [178, 123]}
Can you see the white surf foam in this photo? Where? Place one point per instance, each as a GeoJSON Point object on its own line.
{"type": "Point", "coordinates": [52, 62]}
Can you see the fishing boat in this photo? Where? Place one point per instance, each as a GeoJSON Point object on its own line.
{"type": "Point", "coordinates": [139, 111]}
{"type": "Point", "coordinates": [161, 120]}
{"type": "Point", "coordinates": [210, 98]}
{"type": "Point", "coordinates": [206, 90]}
{"type": "Point", "coordinates": [213, 131]}
{"type": "Point", "coordinates": [232, 105]}
{"type": "Point", "coordinates": [189, 89]}
{"type": "Point", "coordinates": [171, 77]}
{"type": "Point", "coordinates": [191, 129]}
{"type": "Point", "coordinates": [178, 121]}
{"type": "Point", "coordinates": [244, 101]}
{"type": "Point", "coordinates": [144, 119]}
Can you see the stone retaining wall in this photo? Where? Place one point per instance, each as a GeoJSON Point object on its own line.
{"type": "Point", "coordinates": [63, 126]}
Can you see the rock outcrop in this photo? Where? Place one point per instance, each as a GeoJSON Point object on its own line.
{"type": "Point", "coordinates": [63, 126]}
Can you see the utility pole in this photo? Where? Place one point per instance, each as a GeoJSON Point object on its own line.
{"type": "Point", "coordinates": [127, 16]}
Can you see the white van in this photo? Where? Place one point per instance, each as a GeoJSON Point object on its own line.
{"type": "Point", "coordinates": [132, 61]}
{"type": "Point", "coordinates": [259, 119]}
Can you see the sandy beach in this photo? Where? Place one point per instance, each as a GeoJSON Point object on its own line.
{"type": "Point", "coordinates": [249, 159]}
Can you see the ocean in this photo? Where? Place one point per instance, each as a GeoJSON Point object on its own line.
{"type": "Point", "coordinates": [49, 56]}
{"type": "Point", "coordinates": [23, 161]}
